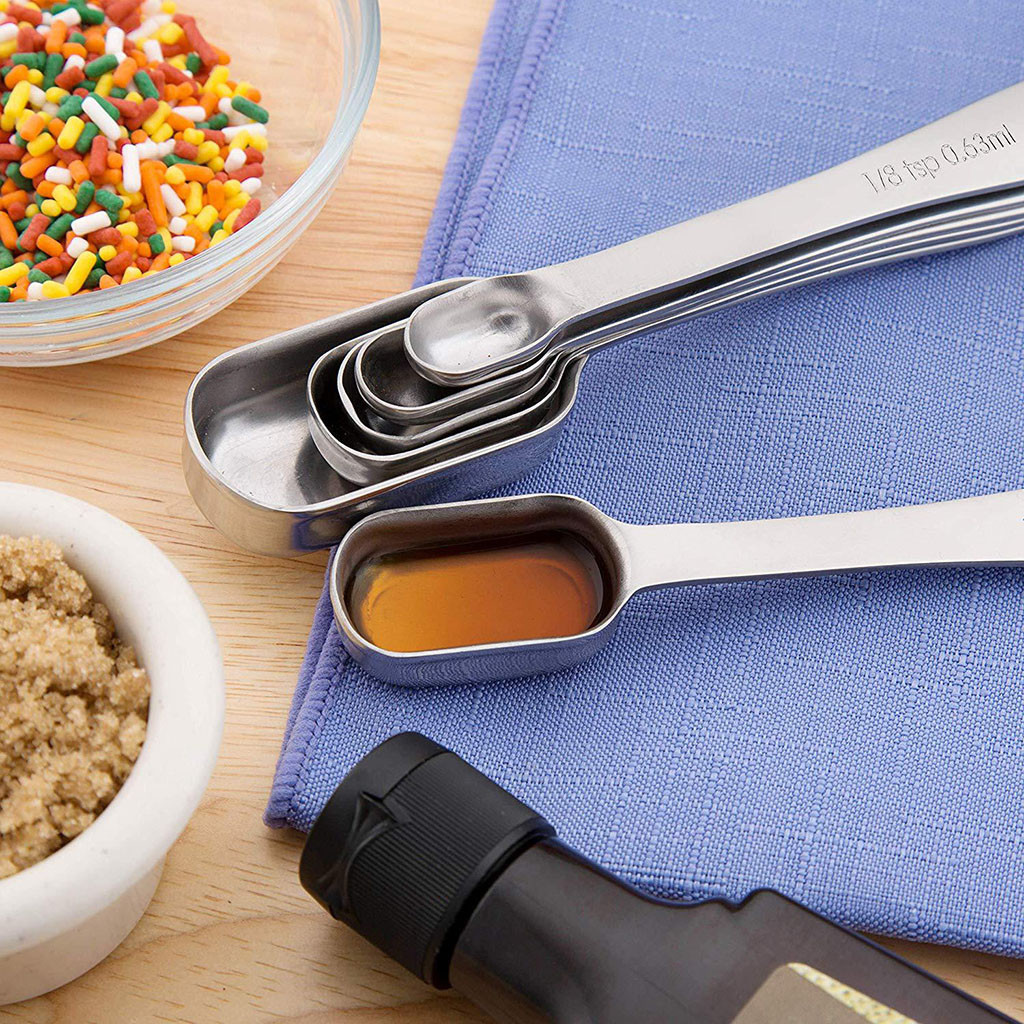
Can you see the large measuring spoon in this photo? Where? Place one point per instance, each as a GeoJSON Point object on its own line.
{"type": "Point", "coordinates": [483, 329]}
{"type": "Point", "coordinates": [401, 561]}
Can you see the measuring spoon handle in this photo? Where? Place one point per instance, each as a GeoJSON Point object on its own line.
{"type": "Point", "coordinates": [987, 530]}
{"type": "Point", "coordinates": [477, 331]}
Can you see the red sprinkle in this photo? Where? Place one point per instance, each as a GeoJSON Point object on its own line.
{"type": "Point", "coordinates": [70, 78]}
{"type": "Point", "coordinates": [20, 13]}
{"type": "Point", "coordinates": [249, 213]}
{"type": "Point", "coordinates": [9, 151]}
{"type": "Point", "coordinates": [119, 264]}
{"type": "Point", "coordinates": [146, 222]}
{"type": "Point", "coordinates": [129, 110]}
{"type": "Point", "coordinates": [105, 236]}
{"type": "Point", "coordinates": [121, 10]}
{"type": "Point", "coordinates": [29, 40]}
{"type": "Point", "coordinates": [210, 135]}
{"type": "Point", "coordinates": [39, 223]}
{"type": "Point", "coordinates": [186, 150]}
{"type": "Point", "coordinates": [248, 171]}
{"type": "Point", "coordinates": [207, 54]}
{"type": "Point", "coordinates": [173, 75]}
{"type": "Point", "coordinates": [98, 156]}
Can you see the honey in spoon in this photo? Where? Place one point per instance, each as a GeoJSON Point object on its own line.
{"type": "Point", "coordinates": [534, 586]}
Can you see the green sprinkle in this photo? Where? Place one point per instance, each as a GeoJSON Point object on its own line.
{"type": "Point", "coordinates": [170, 160]}
{"type": "Point", "coordinates": [39, 257]}
{"type": "Point", "coordinates": [37, 276]}
{"type": "Point", "coordinates": [35, 61]}
{"type": "Point", "coordinates": [247, 108]}
{"type": "Point", "coordinates": [95, 275]}
{"type": "Point", "coordinates": [87, 84]}
{"type": "Point", "coordinates": [18, 140]}
{"type": "Point", "coordinates": [144, 85]}
{"type": "Point", "coordinates": [110, 202]}
{"type": "Point", "coordinates": [108, 106]}
{"type": "Point", "coordinates": [85, 194]}
{"type": "Point", "coordinates": [118, 93]}
{"type": "Point", "coordinates": [53, 67]}
{"type": "Point", "coordinates": [71, 107]}
{"type": "Point", "coordinates": [90, 15]}
{"type": "Point", "coordinates": [5, 294]}
{"type": "Point", "coordinates": [217, 225]}
{"type": "Point", "coordinates": [20, 225]}
{"type": "Point", "coordinates": [101, 65]}
{"type": "Point", "coordinates": [19, 179]}
{"type": "Point", "coordinates": [217, 122]}
{"type": "Point", "coordinates": [74, 37]}
{"type": "Point", "coordinates": [6, 258]}
{"type": "Point", "coordinates": [156, 243]}
{"type": "Point", "coordinates": [194, 63]}
{"type": "Point", "coordinates": [84, 143]}
{"type": "Point", "coordinates": [60, 227]}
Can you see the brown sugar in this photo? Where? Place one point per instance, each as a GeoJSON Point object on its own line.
{"type": "Point", "coordinates": [73, 704]}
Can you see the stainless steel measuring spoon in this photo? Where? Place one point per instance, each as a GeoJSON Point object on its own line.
{"type": "Point", "coordinates": [978, 531]}
{"type": "Point", "coordinates": [391, 385]}
{"type": "Point", "coordinates": [481, 330]}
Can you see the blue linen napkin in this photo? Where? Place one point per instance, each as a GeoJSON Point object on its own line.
{"type": "Point", "coordinates": [857, 741]}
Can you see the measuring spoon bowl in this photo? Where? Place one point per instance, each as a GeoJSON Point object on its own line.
{"type": "Point", "coordinates": [980, 531]}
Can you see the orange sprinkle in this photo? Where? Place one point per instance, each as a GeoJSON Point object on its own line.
{"type": "Point", "coordinates": [152, 178]}
{"type": "Point", "coordinates": [32, 127]}
{"type": "Point", "coordinates": [79, 172]}
{"type": "Point", "coordinates": [36, 165]}
{"type": "Point", "coordinates": [196, 173]}
{"type": "Point", "coordinates": [74, 50]}
{"type": "Point", "coordinates": [106, 281]}
{"type": "Point", "coordinates": [12, 195]}
{"type": "Point", "coordinates": [209, 102]}
{"type": "Point", "coordinates": [45, 189]}
{"type": "Point", "coordinates": [129, 244]}
{"type": "Point", "coordinates": [57, 36]}
{"type": "Point", "coordinates": [55, 126]}
{"type": "Point", "coordinates": [145, 250]}
{"type": "Point", "coordinates": [49, 245]}
{"type": "Point", "coordinates": [114, 159]}
{"type": "Point", "coordinates": [17, 74]}
{"type": "Point", "coordinates": [125, 71]}
{"type": "Point", "coordinates": [138, 136]}
{"type": "Point", "coordinates": [215, 194]}
{"type": "Point", "coordinates": [111, 177]}
{"type": "Point", "coordinates": [178, 123]}
{"type": "Point", "coordinates": [8, 232]}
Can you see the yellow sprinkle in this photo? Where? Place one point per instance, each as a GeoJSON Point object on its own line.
{"type": "Point", "coordinates": [105, 84]}
{"type": "Point", "coordinates": [194, 203]}
{"type": "Point", "coordinates": [6, 49]}
{"type": "Point", "coordinates": [218, 76]}
{"type": "Point", "coordinates": [16, 104]}
{"type": "Point", "coordinates": [129, 227]}
{"type": "Point", "coordinates": [219, 237]}
{"type": "Point", "coordinates": [169, 7]}
{"type": "Point", "coordinates": [216, 164]}
{"type": "Point", "coordinates": [124, 213]}
{"type": "Point", "coordinates": [55, 290]}
{"type": "Point", "coordinates": [55, 94]}
{"type": "Point", "coordinates": [169, 33]}
{"type": "Point", "coordinates": [206, 217]}
{"type": "Point", "coordinates": [229, 220]}
{"type": "Point", "coordinates": [31, 210]}
{"type": "Point", "coordinates": [50, 207]}
{"type": "Point", "coordinates": [131, 274]}
{"type": "Point", "coordinates": [67, 199]}
{"type": "Point", "coordinates": [207, 150]}
{"type": "Point", "coordinates": [163, 133]}
{"type": "Point", "coordinates": [237, 202]}
{"type": "Point", "coordinates": [175, 176]}
{"type": "Point", "coordinates": [165, 234]}
{"type": "Point", "coordinates": [107, 253]}
{"type": "Point", "coordinates": [70, 132]}
{"type": "Point", "coordinates": [81, 269]}
{"type": "Point", "coordinates": [240, 141]}
{"type": "Point", "coordinates": [134, 97]}
{"type": "Point", "coordinates": [194, 135]}
{"type": "Point", "coordinates": [224, 91]}
{"type": "Point", "coordinates": [41, 144]}
{"type": "Point", "coordinates": [13, 274]}
{"type": "Point", "coordinates": [157, 118]}
{"type": "Point", "coordinates": [259, 142]}
{"type": "Point", "coordinates": [178, 62]}
{"type": "Point", "coordinates": [242, 89]}
{"type": "Point", "coordinates": [35, 77]}
{"type": "Point", "coordinates": [232, 188]}
{"type": "Point", "coordinates": [177, 259]}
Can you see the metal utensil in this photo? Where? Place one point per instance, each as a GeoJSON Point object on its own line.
{"type": "Point", "coordinates": [481, 330]}
{"type": "Point", "coordinates": [393, 387]}
{"type": "Point", "coordinates": [252, 467]}
{"type": "Point", "coordinates": [973, 531]}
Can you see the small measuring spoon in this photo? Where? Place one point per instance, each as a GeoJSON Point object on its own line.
{"type": "Point", "coordinates": [481, 330]}
{"type": "Point", "coordinates": [979, 531]}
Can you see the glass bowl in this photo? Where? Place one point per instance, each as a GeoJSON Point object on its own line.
{"type": "Point", "coordinates": [315, 63]}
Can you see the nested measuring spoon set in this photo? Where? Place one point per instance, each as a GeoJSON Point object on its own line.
{"type": "Point", "coordinates": [458, 387]}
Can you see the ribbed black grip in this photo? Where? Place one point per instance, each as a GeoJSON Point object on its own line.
{"type": "Point", "coordinates": [406, 846]}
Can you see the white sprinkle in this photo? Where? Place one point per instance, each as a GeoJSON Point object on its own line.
{"type": "Point", "coordinates": [130, 170]}
{"type": "Point", "coordinates": [175, 207]}
{"type": "Point", "coordinates": [147, 28]}
{"type": "Point", "coordinates": [115, 40]}
{"type": "Point", "coordinates": [166, 148]}
{"type": "Point", "coordinates": [235, 159]}
{"type": "Point", "coordinates": [76, 247]}
{"type": "Point", "coordinates": [8, 32]}
{"type": "Point", "coordinates": [35, 291]}
{"type": "Point", "coordinates": [91, 222]}
{"type": "Point", "coordinates": [177, 225]}
{"type": "Point", "coordinates": [49, 109]}
{"type": "Point", "coordinates": [70, 15]}
{"type": "Point", "coordinates": [253, 129]}
{"type": "Point", "coordinates": [147, 150]}
{"type": "Point", "coordinates": [252, 186]}
{"type": "Point", "coordinates": [192, 113]}
{"type": "Point", "coordinates": [74, 61]}
{"type": "Point", "coordinates": [58, 175]}
{"type": "Point", "coordinates": [183, 243]}
{"type": "Point", "coordinates": [153, 50]}
{"type": "Point", "coordinates": [36, 96]}
{"type": "Point", "coordinates": [152, 7]}
{"type": "Point", "coordinates": [99, 117]}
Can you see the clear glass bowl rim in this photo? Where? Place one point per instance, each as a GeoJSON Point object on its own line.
{"type": "Point", "coordinates": [319, 175]}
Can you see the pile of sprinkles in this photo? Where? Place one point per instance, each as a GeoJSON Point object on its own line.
{"type": "Point", "coordinates": [125, 148]}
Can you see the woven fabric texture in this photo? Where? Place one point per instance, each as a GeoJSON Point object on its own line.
{"type": "Point", "coordinates": [855, 742]}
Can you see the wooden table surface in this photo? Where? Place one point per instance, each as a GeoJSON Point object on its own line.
{"type": "Point", "coordinates": [231, 936]}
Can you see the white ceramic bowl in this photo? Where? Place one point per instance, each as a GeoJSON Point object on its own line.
{"type": "Point", "coordinates": [65, 914]}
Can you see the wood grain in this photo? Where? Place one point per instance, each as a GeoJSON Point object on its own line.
{"type": "Point", "coordinates": [230, 935]}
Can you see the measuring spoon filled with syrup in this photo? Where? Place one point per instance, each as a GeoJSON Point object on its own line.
{"type": "Point", "coordinates": [507, 587]}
